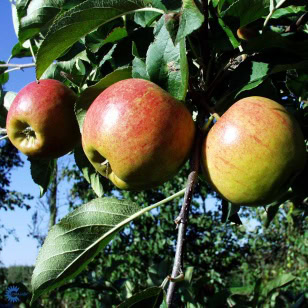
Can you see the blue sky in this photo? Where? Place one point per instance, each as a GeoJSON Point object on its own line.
{"type": "Point", "coordinates": [24, 251]}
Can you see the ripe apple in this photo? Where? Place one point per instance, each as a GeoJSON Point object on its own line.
{"type": "Point", "coordinates": [246, 33]}
{"type": "Point", "coordinates": [144, 133]}
{"type": "Point", "coordinates": [41, 122]}
{"type": "Point", "coordinates": [253, 152]}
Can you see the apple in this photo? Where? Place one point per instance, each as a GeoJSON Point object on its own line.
{"type": "Point", "coordinates": [137, 135]}
{"type": "Point", "coordinates": [253, 152]}
{"type": "Point", "coordinates": [245, 33]}
{"type": "Point", "coordinates": [41, 122]}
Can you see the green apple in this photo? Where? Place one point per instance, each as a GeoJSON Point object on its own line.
{"type": "Point", "coordinates": [41, 122]}
{"type": "Point", "coordinates": [137, 135]}
{"type": "Point", "coordinates": [253, 152]}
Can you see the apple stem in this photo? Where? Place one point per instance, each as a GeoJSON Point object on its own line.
{"type": "Point", "coordinates": [182, 219]}
{"type": "Point", "coordinates": [216, 116]}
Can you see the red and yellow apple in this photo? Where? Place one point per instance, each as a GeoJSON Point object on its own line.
{"type": "Point", "coordinates": [245, 33]}
{"type": "Point", "coordinates": [137, 135]}
{"type": "Point", "coordinates": [253, 152]}
{"type": "Point", "coordinates": [41, 122]}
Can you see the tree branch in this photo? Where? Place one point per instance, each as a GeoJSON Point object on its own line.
{"type": "Point", "coordinates": [182, 219]}
{"type": "Point", "coordinates": [15, 67]}
{"type": "Point", "coordinates": [3, 131]}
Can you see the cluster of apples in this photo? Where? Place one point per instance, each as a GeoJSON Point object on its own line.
{"type": "Point", "coordinates": [139, 136]}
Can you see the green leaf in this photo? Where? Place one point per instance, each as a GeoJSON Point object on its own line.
{"type": "Point", "coordinates": [76, 239]}
{"type": "Point", "coordinates": [290, 10]}
{"type": "Point", "coordinates": [42, 171]}
{"type": "Point", "coordinates": [166, 64]}
{"type": "Point", "coordinates": [191, 19]}
{"type": "Point", "coordinates": [247, 290]}
{"type": "Point", "coordinates": [89, 95]}
{"type": "Point", "coordinates": [79, 21]}
{"type": "Point", "coordinates": [3, 110]}
{"type": "Point", "coordinates": [233, 40]}
{"type": "Point", "coordinates": [229, 210]}
{"type": "Point", "coordinates": [271, 213]}
{"type": "Point", "coordinates": [90, 174]}
{"type": "Point", "coordinates": [4, 77]}
{"type": "Point", "coordinates": [247, 11]}
{"type": "Point", "coordinates": [299, 86]}
{"type": "Point", "coordinates": [150, 298]}
{"type": "Point", "coordinates": [139, 69]}
{"type": "Point", "coordinates": [95, 41]}
{"type": "Point", "coordinates": [39, 14]}
{"type": "Point", "coordinates": [79, 237]}
{"type": "Point", "coordinates": [279, 43]}
{"type": "Point", "coordinates": [279, 282]}
{"type": "Point", "coordinates": [145, 19]}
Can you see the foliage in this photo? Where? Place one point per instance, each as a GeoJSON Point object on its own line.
{"type": "Point", "coordinates": [190, 49]}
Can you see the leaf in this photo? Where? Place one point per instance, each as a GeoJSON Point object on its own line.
{"type": "Point", "coordinates": [76, 23]}
{"type": "Point", "coordinates": [246, 290]}
{"type": "Point", "coordinates": [150, 298]}
{"type": "Point", "coordinates": [271, 213]}
{"type": "Point", "coordinates": [279, 282]}
{"type": "Point", "coordinates": [233, 40]}
{"type": "Point", "coordinates": [278, 43]}
{"type": "Point", "coordinates": [42, 172]}
{"type": "Point", "coordinates": [191, 19]}
{"type": "Point", "coordinates": [166, 64]}
{"type": "Point", "coordinates": [139, 69]}
{"type": "Point", "coordinates": [38, 14]}
{"type": "Point", "coordinates": [145, 19]}
{"type": "Point", "coordinates": [247, 11]}
{"type": "Point", "coordinates": [76, 239]}
{"type": "Point", "coordinates": [4, 77]}
{"type": "Point", "coordinates": [228, 210]}
{"type": "Point", "coordinates": [88, 96]}
{"type": "Point", "coordinates": [299, 86]}
{"type": "Point", "coordinates": [73, 242]}
{"type": "Point", "coordinates": [95, 41]}
{"type": "Point", "coordinates": [89, 172]}
{"type": "Point", "coordinates": [8, 99]}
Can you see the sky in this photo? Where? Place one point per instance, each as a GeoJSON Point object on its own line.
{"type": "Point", "coordinates": [24, 251]}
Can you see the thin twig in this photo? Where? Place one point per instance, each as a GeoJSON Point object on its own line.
{"type": "Point", "coordinates": [300, 22]}
{"type": "Point", "coordinates": [272, 12]}
{"type": "Point", "coordinates": [18, 65]}
{"type": "Point", "coordinates": [32, 52]}
{"type": "Point", "coordinates": [4, 137]}
{"type": "Point", "coordinates": [182, 219]}
{"type": "Point", "coordinates": [3, 131]}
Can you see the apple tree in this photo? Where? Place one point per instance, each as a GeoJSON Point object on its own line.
{"type": "Point", "coordinates": [206, 55]}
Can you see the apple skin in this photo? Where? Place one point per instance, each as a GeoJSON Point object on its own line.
{"type": "Point", "coordinates": [145, 134]}
{"type": "Point", "coordinates": [253, 152]}
{"type": "Point", "coordinates": [41, 122]}
{"type": "Point", "coordinates": [246, 34]}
